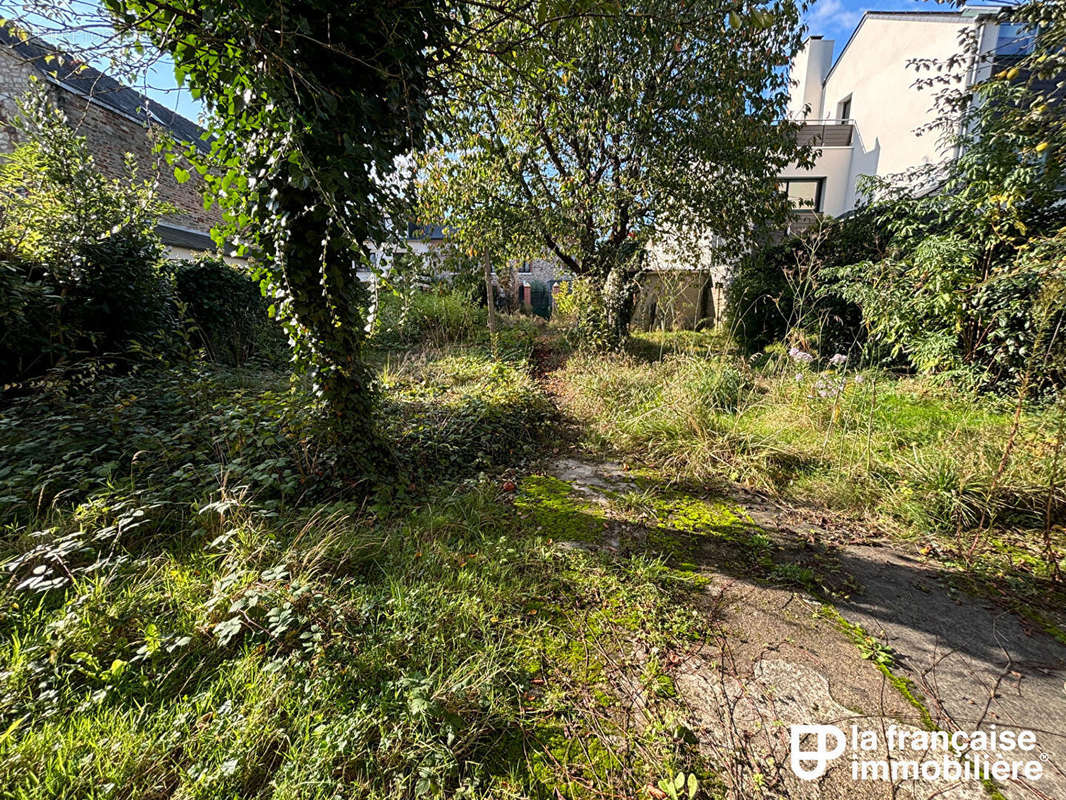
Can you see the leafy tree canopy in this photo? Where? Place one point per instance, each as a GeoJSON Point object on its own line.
{"type": "Point", "coordinates": [620, 126]}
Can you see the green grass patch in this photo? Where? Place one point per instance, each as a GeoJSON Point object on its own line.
{"type": "Point", "coordinates": [194, 607]}
{"type": "Point", "coordinates": [555, 509]}
{"type": "Point", "coordinates": [921, 459]}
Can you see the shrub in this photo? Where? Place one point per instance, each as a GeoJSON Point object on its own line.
{"type": "Point", "coordinates": [226, 308]}
{"type": "Point", "coordinates": [948, 303]}
{"type": "Point", "coordinates": [777, 291]}
{"type": "Point", "coordinates": [436, 316]}
{"type": "Point", "coordinates": [971, 281]}
{"type": "Point", "coordinates": [81, 258]}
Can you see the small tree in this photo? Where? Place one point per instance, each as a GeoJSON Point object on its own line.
{"type": "Point", "coordinates": [620, 127]}
{"type": "Point", "coordinates": [80, 272]}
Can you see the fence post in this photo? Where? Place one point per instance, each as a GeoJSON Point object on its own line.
{"type": "Point", "coordinates": [490, 297]}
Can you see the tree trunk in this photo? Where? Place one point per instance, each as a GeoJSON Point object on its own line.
{"type": "Point", "coordinates": [617, 298]}
{"type": "Point", "coordinates": [327, 301]}
{"type": "Point", "coordinates": [490, 297]}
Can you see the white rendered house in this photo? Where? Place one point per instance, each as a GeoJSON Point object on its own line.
{"type": "Point", "coordinates": [864, 109]}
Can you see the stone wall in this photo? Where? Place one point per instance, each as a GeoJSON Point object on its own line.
{"type": "Point", "coordinates": [14, 81]}
{"type": "Point", "coordinates": [110, 136]}
{"type": "Point", "coordinates": [545, 270]}
{"type": "Point", "coordinates": [678, 300]}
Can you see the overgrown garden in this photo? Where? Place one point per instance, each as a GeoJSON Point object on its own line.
{"type": "Point", "coordinates": [269, 531]}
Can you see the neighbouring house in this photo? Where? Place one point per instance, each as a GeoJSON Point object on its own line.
{"type": "Point", "coordinates": [864, 110]}
{"type": "Point", "coordinates": [115, 120]}
{"type": "Point", "coordinates": [533, 281]}
{"type": "Point", "coordinates": [527, 284]}
{"type": "Point", "coordinates": [866, 114]}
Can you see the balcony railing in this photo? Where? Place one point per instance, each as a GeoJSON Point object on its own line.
{"type": "Point", "coordinates": [826, 133]}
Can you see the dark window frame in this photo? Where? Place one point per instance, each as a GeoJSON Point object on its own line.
{"type": "Point", "coordinates": [525, 268]}
{"type": "Point", "coordinates": [819, 191]}
{"type": "Point", "coordinates": [1016, 46]}
{"type": "Point", "coordinates": [845, 108]}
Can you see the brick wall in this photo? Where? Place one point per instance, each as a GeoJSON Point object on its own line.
{"type": "Point", "coordinates": [110, 136]}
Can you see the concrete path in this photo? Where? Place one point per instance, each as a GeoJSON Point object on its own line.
{"type": "Point", "coordinates": [780, 657]}
{"type": "Point", "coordinates": [977, 666]}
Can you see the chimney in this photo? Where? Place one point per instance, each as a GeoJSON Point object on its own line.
{"type": "Point", "coordinates": [809, 69]}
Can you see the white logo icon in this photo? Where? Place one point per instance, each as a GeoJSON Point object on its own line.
{"type": "Point", "coordinates": [821, 755]}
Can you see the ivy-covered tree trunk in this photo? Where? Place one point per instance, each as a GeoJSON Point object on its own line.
{"type": "Point", "coordinates": [326, 301]}
{"type": "Point", "coordinates": [312, 103]}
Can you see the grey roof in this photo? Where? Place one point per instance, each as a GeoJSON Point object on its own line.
{"type": "Point", "coordinates": [183, 237]}
{"type": "Point", "coordinates": [82, 79]}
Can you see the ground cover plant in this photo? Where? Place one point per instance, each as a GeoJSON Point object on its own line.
{"type": "Point", "coordinates": [421, 549]}
{"type": "Point", "coordinates": [193, 604]}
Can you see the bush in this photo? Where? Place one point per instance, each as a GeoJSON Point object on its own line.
{"type": "Point", "coordinates": [971, 282]}
{"type": "Point", "coordinates": [79, 252]}
{"type": "Point", "coordinates": [437, 316]}
{"type": "Point", "coordinates": [226, 308]}
{"type": "Point", "coordinates": [947, 303]}
{"type": "Point", "coordinates": [777, 291]}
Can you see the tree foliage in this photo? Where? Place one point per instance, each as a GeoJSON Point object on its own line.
{"type": "Point", "coordinates": [777, 292]}
{"type": "Point", "coordinates": [79, 254]}
{"type": "Point", "coordinates": [971, 280]}
{"type": "Point", "coordinates": [616, 127]}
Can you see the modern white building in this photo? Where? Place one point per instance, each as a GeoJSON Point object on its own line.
{"type": "Point", "coordinates": [864, 109]}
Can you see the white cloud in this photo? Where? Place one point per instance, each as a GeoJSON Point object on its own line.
{"type": "Point", "coordinates": [836, 19]}
{"type": "Point", "coordinates": [830, 18]}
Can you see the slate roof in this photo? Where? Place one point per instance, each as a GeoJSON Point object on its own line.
{"type": "Point", "coordinates": [84, 80]}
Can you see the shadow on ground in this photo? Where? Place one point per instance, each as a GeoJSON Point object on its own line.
{"type": "Point", "coordinates": [808, 630]}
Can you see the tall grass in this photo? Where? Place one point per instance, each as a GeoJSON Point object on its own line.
{"type": "Point", "coordinates": [441, 650]}
{"type": "Point", "coordinates": [910, 453]}
{"type": "Point", "coordinates": [179, 620]}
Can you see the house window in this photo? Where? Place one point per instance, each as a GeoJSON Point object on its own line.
{"type": "Point", "coordinates": [1014, 39]}
{"type": "Point", "coordinates": [805, 194]}
{"type": "Point", "coordinates": [525, 267]}
{"type": "Point", "coordinates": [844, 108]}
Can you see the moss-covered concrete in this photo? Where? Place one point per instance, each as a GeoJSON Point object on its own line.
{"type": "Point", "coordinates": [558, 511]}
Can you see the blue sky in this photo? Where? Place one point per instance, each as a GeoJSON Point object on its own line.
{"type": "Point", "coordinates": [76, 26]}
{"type": "Point", "coordinates": [836, 19]}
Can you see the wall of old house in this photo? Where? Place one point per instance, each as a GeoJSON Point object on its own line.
{"type": "Point", "coordinates": [678, 300]}
{"type": "Point", "coordinates": [109, 135]}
